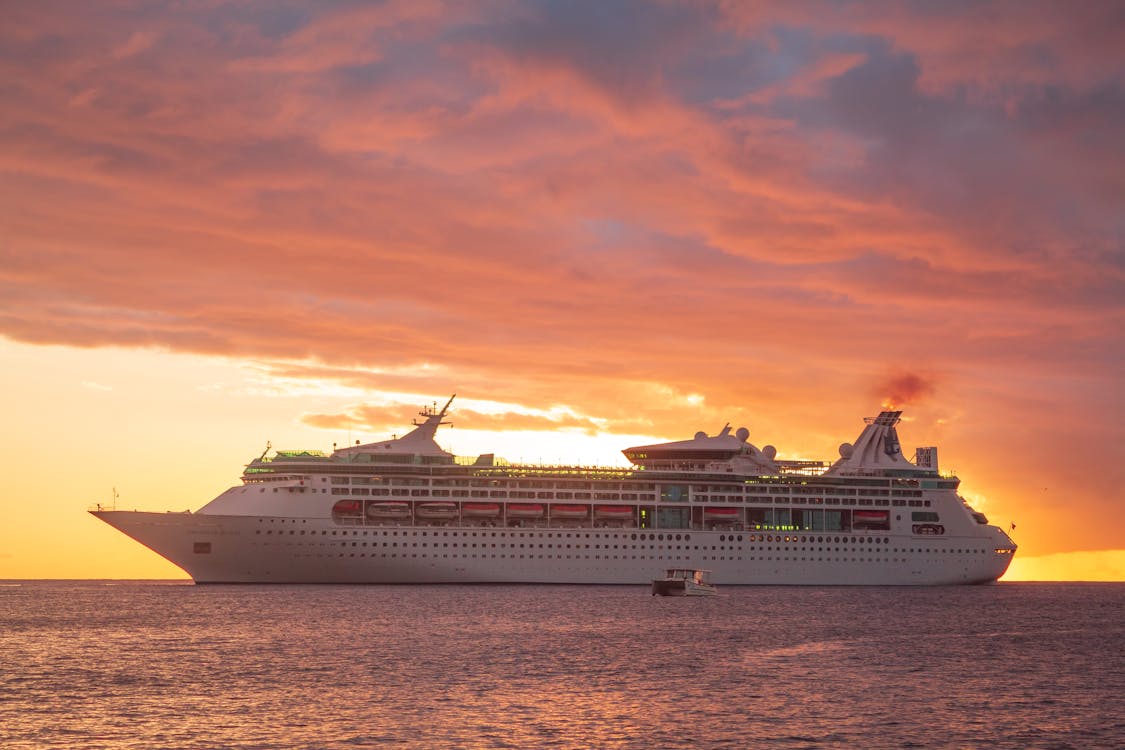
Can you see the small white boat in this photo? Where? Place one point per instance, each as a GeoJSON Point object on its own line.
{"type": "Point", "coordinates": [683, 582]}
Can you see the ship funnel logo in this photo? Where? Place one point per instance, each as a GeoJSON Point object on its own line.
{"type": "Point", "coordinates": [890, 442]}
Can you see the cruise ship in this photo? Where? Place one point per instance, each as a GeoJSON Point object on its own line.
{"type": "Point", "coordinates": [405, 511]}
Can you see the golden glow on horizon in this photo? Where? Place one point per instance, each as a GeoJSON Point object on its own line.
{"type": "Point", "coordinates": [155, 426]}
{"type": "Point", "coordinates": [1093, 565]}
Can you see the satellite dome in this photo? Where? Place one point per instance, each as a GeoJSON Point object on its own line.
{"type": "Point", "coordinates": [700, 435]}
{"type": "Point", "coordinates": [846, 450]}
{"type": "Point", "coordinates": [769, 452]}
{"type": "Point", "coordinates": [742, 434]}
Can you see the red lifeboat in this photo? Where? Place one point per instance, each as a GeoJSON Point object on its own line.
{"type": "Point", "coordinates": [348, 508]}
{"type": "Point", "coordinates": [480, 510]}
{"type": "Point", "coordinates": [525, 510]}
{"type": "Point", "coordinates": [870, 520]}
{"type": "Point", "coordinates": [721, 514]}
{"type": "Point", "coordinates": [613, 511]}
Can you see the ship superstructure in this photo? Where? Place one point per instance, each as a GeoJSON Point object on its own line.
{"type": "Point", "coordinates": [405, 511]}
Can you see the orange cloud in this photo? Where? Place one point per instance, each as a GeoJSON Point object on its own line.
{"type": "Point", "coordinates": [396, 419]}
{"type": "Point", "coordinates": [772, 207]}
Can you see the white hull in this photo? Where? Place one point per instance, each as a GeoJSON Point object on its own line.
{"type": "Point", "coordinates": [257, 549]}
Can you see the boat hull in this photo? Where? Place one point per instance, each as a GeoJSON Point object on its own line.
{"type": "Point", "coordinates": [681, 588]}
{"type": "Point", "coordinates": [258, 549]}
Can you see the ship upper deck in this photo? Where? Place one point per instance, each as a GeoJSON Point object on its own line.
{"type": "Point", "coordinates": [875, 456]}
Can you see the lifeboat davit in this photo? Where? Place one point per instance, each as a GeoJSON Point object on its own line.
{"type": "Point", "coordinates": [524, 510]}
{"type": "Point", "coordinates": [613, 511]}
{"type": "Point", "coordinates": [569, 511]}
{"type": "Point", "coordinates": [348, 508]}
{"type": "Point", "coordinates": [388, 510]}
{"type": "Point", "coordinates": [480, 510]}
{"type": "Point", "coordinates": [720, 514]}
{"type": "Point", "coordinates": [436, 510]}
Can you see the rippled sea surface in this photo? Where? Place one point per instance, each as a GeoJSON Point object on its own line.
{"type": "Point", "coordinates": [152, 665]}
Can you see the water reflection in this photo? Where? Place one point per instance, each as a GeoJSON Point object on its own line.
{"type": "Point", "coordinates": [128, 666]}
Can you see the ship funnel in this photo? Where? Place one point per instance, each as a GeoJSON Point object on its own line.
{"type": "Point", "coordinates": [876, 448]}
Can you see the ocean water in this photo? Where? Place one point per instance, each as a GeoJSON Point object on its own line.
{"type": "Point", "coordinates": [173, 665]}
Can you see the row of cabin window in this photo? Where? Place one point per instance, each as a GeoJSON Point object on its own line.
{"type": "Point", "coordinates": [602, 496]}
{"type": "Point", "coordinates": [634, 486]}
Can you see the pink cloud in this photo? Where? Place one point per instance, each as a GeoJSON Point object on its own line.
{"type": "Point", "coordinates": [138, 42]}
{"type": "Point", "coordinates": [767, 206]}
{"type": "Point", "coordinates": [398, 418]}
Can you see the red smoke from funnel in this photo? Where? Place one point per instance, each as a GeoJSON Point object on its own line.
{"type": "Point", "coordinates": [904, 388]}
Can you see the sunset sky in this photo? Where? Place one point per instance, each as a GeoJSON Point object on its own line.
{"type": "Point", "coordinates": [601, 224]}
